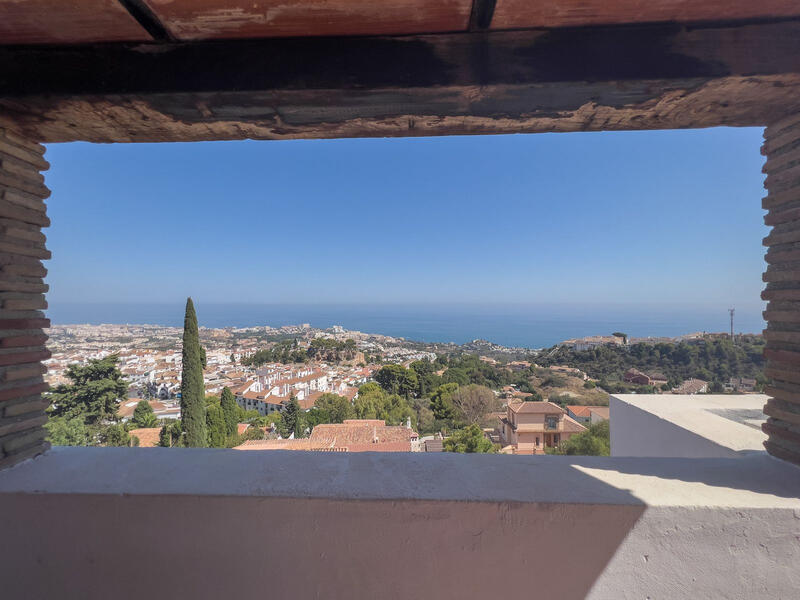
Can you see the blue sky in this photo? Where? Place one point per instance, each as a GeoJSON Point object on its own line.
{"type": "Point", "coordinates": [647, 217]}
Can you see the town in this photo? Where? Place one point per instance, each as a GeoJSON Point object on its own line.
{"type": "Point", "coordinates": [303, 388]}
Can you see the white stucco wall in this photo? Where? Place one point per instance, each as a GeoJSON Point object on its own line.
{"type": "Point", "coordinates": [667, 425]}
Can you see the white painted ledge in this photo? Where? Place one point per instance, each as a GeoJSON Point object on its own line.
{"type": "Point", "coordinates": [136, 523]}
{"type": "Point", "coordinates": [757, 481]}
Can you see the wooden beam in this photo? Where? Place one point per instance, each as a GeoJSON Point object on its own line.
{"type": "Point", "coordinates": [643, 77]}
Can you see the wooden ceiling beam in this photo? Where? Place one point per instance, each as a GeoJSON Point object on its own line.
{"type": "Point", "coordinates": [633, 77]}
{"type": "Point", "coordinates": [140, 11]}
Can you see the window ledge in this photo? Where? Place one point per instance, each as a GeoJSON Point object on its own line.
{"type": "Point", "coordinates": [757, 481]}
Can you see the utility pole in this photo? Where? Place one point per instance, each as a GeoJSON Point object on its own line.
{"type": "Point", "coordinates": [732, 311]}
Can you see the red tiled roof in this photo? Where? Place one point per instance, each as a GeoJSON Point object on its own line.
{"type": "Point", "coordinates": [148, 436]}
{"type": "Point", "coordinates": [535, 407]}
{"type": "Point", "coordinates": [351, 436]}
{"type": "Point", "coordinates": [570, 425]}
{"type": "Point", "coordinates": [125, 410]}
{"type": "Point", "coordinates": [382, 447]}
{"type": "Point", "coordinates": [581, 411]}
{"type": "Point", "coordinates": [303, 444]}
{"type": "Point", "coordinates": [354, 432]}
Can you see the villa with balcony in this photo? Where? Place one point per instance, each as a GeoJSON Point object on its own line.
{"type": "Point", "coordinates": [530, 427]}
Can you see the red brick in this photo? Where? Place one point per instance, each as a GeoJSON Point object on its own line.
{"type": "Point", "coordinates": [781, 432]}
{"type": "Point", "coordinates": [23, 371]}
{"type": "Point", "coordinates": [9, 210]}
{"type": "Point", "coordinates": [790, 294]}
{"type": "Point", "coordinates": [17, 424]}
{"type": "Point", "coordinates": [782, 256]}
{"type": "Point", "coordinates": [24, 406]}
{"type": "Point", "coordinates": [23, 391]}
{"type": "Point", "coordinates": [24, 184]}
{"type": "Point", "coordinates": [18, 457]}
{"type": "Point", "coordinates": [784, 356]}
{"type": "Point", "coordinates": [775, 409]}
{"type": "Point", "coordinates": [24, 357]}
{"type": "Point", "coordinates": [784, 216]}
{"type": "Point", "coordinates": [22, 340]}
{"type": "Point", "coordinates": [24, 323]}
{"type": "Point", "coordinates": [793, 376]}
{"type": "Point", "coordinates": [782, 453]}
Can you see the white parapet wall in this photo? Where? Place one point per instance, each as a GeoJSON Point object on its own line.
{"type": "Point", "coordinates": [696, 426]}
{"type": "Point", "coordinates": [207, 524]}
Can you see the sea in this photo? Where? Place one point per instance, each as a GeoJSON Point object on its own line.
{"type": "Point", "coordinates": [517, 325]}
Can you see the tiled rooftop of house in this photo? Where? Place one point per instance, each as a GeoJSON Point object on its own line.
{"type": "Point", "coordinates": [353, 435]}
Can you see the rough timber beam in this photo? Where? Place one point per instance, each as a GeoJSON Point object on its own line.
{"type": "Point", "coordinates": [604, 78]}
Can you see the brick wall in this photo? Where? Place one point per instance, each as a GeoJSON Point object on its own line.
{"type": "Point", "coordinates": [782, 149]}
{"type": "Point", "coordinates": [22, 339]}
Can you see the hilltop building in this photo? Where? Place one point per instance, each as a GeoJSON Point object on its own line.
{"type": "Point", "coordinates": [594, 341]}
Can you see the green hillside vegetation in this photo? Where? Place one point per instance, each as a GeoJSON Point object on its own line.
{"type": "Point", "coordinates": [595, 441]}
{"type": "Point", "coordinates": [712, 359]}
{"type": "Point", "coordinates": [290, 352]}
{"type": "Point", "coordinates": [564, 389]}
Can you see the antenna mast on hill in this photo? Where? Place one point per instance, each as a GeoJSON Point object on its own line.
{"type": "Point", "coordinates": [732, 311]}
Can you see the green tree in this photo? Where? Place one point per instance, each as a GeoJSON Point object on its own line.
{"type": "Point", "coordinates": [193, 405]}
{"type": "Point", "coordinates": [171, 435]}
{"type": "Point", "coordinates": [230, 410]}
{"type": "Point", "coordinates": [115, 435]}
{"type": "Point", "coordinates": [473, 403]}
{"type": "Point", "coordinates": [143, 415]}
{"type": "Point", "coordinates": [64, 431]}
{"type": "Point", "coordinates": [595, 441]}
{"type": "Point", "coordinates": [456, 375]}
{"type": "Point", "coordinates": [216, 427]}
{"type": "Point", "coordinates": [164, 437]}
{"type": "Point", "coordinates": [94, 394]}
{"type": "Point", "coordinates": [469, 440]}
{"type": "Point", "coordinates": [426, 377]}
{"type": "Point", "coordinates": [338, 408]}
{"type": "Point", "coordinates": [396, 379]}
{"type": "Point", "coordinates": [253, 433]}
{"type": "Point", "coordinates": [292, 419]}
{"type": "Point", "coordinates": [374, 403]}
{"type": "Point", "coordinates": [442, 402]}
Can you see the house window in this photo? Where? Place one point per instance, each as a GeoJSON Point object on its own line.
{"type": "Point", "coordinates": [551, 422]}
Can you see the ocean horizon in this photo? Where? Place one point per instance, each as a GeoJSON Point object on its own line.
{"type": "Point", "coordinates": [527, 326]}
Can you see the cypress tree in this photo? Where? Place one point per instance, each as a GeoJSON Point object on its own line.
{"type": "Point", "coordinates": [228, 403]}
{"type": "Point", "coordinates": [164, 437]}
{"type": "Point", "coordinates": [215, 422]}
{"type": "Point", "coordinates": [291, 418]}
{"type": "Point", "coordinates": [193, 397]}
